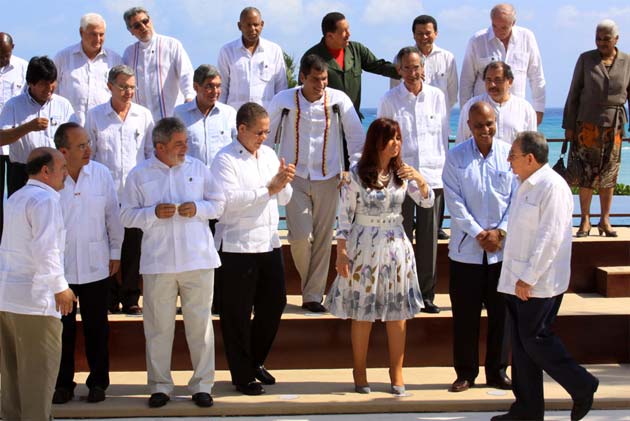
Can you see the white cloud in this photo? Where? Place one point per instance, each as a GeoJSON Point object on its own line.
{"type": "Point", "coordinates": [467, 19]}
{"type": "Point", "coordinates": [390, 11]}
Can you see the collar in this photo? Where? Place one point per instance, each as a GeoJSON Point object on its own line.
{"type": "Point", "coordinates": [147, 44]}
{"type": "Point", "coordinates": [241, 151]}
{"type": "Point", "coordinates": [191, 106]}
{"type": "Point", "coordinates": [155, 162]}
{"type": "Point", "coordinates": [435, 50]}
{"type": "Point", "coordinates": [44, 186]}
{"type": "Point", "coordinates": [476, 150]}
{"type": "Point", "coordinates": [78, 49]}
{"type": "Point", "coordinates": [492, 36]}
{"type": "Point", "coordinates": [32, 100]}
{"type": "Point", "coordinates": [318, 101]}
{"type": "Point", "coordinates": [538, 175]}
{"type": "Point", "coordinates": [259, 47]}
{"type": "Point", "coordinates": [404, 93]}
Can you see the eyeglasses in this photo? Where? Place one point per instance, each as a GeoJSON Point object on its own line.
{"type": "Point", "coordinates": [512, 155]}
{"type": "Point", "coordinates": [83, 146]}
{"type": "Point", "coordinates": [260, 133]}
{"type": "Point", "coordinates": [496, 80]}
{"type": "Point", "coordinates": [138, 25]}
{"type": "Point", "coordinates": [125, 87]}
{"type": "Point", "coordinates": [211, 86]}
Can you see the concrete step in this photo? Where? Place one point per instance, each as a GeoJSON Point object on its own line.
{"type": "Point", "coordinates": [331, 392]}
{"type": "Point", "coordinates": [595, 329]}
{"type": "Point", "coordinates": [613, 281]}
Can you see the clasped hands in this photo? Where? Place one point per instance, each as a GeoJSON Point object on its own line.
{"type": "Point", "coordinates": [283, 177]}
{"type": "Point", "coordinates": [489, 240]}
{"type": "Point", "coordinates": [167, 210]}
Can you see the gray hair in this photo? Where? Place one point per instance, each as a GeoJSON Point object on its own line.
{"type": "Point", "coordinates": [205, 71]}
{"type": "Point", "coordinates": [405, 51]}
{"type": "Point", "coordinates": [132, 12]}
{"type": "Point", "coordinates": [534, 143]}
{"type": "Point", "coordinates": [503, 9]}
{"type": "Point", "coordinates": [91, 19]}
{"type": "Point", "coordinates": [165, 128]}
{"type": "Point", "coordinates": [608, 26]}
{"type": "Point", "coordinates": [119, 69]}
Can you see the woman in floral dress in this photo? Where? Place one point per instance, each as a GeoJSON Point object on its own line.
{"type": "Point", "coordinates": [376, 266]}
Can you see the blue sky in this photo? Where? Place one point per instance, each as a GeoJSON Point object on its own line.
{"type": "Point", "coordinates": [563, 29]}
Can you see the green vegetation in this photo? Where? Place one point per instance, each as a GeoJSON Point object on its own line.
{"type": "Point", "coordinates": [289, 63]}
{"type": "Point", "coordinates": [620, 190]}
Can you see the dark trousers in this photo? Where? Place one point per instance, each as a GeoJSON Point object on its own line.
{"type": "Point", "coordinates": [4, 161]}
{"type": "Point", "coordinates": [425, 225]}
{"type": "Point", "coordinates": [470, 287]}
{"type": "Point", "coordinates": [128, 291]}
{"type": "Point", "coordinates": [16, 177]}
{"type": "Point", "coordinates": [250, 280]}
{"type": "Point", "coordinates": [441, 209]}
{"type": "Point", "coordinates": [93, 300]}
{"type": "Point", "coordinates": [536, 348]}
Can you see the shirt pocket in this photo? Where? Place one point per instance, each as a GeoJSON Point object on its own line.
{"type": "Point", "coordinates": [519, 62]}
{"type": "Point", "coordinates": [501, 181]}
{"type": "Point", "coordinates": [98, 255]}
{"type": "Point", "coordinates": [193, 189]}
{"type": "Point", "coordinates": [151, 192]}
{"type": "Point", "coordinates": [265, 72]}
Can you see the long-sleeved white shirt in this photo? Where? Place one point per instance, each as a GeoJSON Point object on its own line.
{"type": "Point", "coordinates": [31, 253]}
{"type": "Point", "coordinates": [513, 116]}
{"type": "Point", "coordinates": [176, 244]}
{"type": "Point", "coordinates": [423, 121]}
{"type": "Point", "coordinates": [314, 143]}
{"type": "Point", "coordinates": [440, 70]}
{"type": "Point", "coordinates": [120, 145]}
{"type": "Point", "coordinates": [12, 83]}
{"type": "Point", "coordinates": [249, 223]}
{"type": "Point", "coordinates": [248, 77]}
{"type": "Point", "coordinates": [82, 81]}
{"type": "Point", "coordinates": [538, 242]}
{"type": "Point", "coordinates": [22, 109]}
{"type": "Point", "coordinates": [94, 233]}
{"type": "Point", "coordinates": [522, 55]}
{"type": "Point", "coordinates": [164, 74]}
{"type": "Point", "coordinates": [207, 134]}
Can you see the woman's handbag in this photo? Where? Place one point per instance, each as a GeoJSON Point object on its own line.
{"type": "Point", "coordinates": [559, 166]}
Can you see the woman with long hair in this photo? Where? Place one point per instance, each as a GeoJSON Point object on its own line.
{"type": "Point", "coordinates": [377, 278]}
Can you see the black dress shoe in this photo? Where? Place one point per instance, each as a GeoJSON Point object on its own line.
{"type": "Point", "coordinates": [158, 399]}
{"type": "Point", "coordinates": [429, 307]}
{"type": "Point", "coordinates": [512, 417]}
{"type": "Point", "coordinates": [251, 388]}
{"type": "Point", "coordinates": [133, 311]}
{"type": "Point", "coordinates": [264, 376]}
{"type": "Point", "coordinates": [203, 399]}
{"type": "Point", "coordinates": [314, 307]}
{"type": "Point", "coordinates": [96, 394]}
{"type": "Point", "coordinates": [461, 385]}
{"type": "Point", "coordinates": [582, 406]}
{"type": "Point", "coordinates": [501, 382]}
{"type": "Point", "coordinates": [62, 395]}
{"type": "Point", "coordinates": [442, 235]}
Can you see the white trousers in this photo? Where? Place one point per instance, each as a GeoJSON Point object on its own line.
{"type": "Point", "coordinates": [160, 305]}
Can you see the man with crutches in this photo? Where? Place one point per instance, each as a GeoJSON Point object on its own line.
{"type": "Point", "coordinates": [308, 124]}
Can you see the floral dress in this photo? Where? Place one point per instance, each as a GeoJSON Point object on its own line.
{"type": "Point", "coordinates": [383, 282]}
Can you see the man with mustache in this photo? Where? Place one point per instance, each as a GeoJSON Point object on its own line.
{"type": "Point", "coordinates": [252, 68]}
{"type": "Point", "coordinates": [514, 114]}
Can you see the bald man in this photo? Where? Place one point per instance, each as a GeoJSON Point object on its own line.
{"type": "Point", "coordinates": [34, 293]}
{"type": "Point", "coordinates": [478, 186]}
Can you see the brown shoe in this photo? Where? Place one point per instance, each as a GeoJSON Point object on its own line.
{"type": "Point", "coordinates": [460, 386]}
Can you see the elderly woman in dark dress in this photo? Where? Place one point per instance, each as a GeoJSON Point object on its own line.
{"type": "Point", "coordinates": [594, 119]}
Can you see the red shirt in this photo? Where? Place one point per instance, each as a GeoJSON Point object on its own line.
{"type": "Point", "coordinates": [338, 55]}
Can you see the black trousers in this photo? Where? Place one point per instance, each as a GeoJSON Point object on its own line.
{"type": "Point", "coordinates": [250, 281]}
{"type": "Point", "coordinates": [470, 287]}
{"type": "Point", "coordinates": [93, 300]}
{"type": "Point", "coordinates": [16, 177]}
{"type": "Point", "coordinates": [536, 348]}
{"type": "Point", "coordinates": [128, 292]}
{"type": "Point", "coordinates": [4, 161]}
{"type": "Point", "coordinates": [425, 224]}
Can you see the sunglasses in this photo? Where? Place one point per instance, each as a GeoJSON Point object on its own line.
{"type": "Point", "coordinates": [138, 25]}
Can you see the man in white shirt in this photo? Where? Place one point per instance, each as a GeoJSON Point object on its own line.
{"type": "Point", "coordinates": [210, 124]}
{"type": "Point", "coordinates": [29, 120]}
{"type": "Point", "coordinates": [514, 114]}
{"type": "Point", "coordinates": [170, 197]}
{"type": "Point", "coordinates": [308, 124]}
{"type": "Point", "coordinates": [421, 112]}
{"type": "Point", "coordinates": [12, 82]}
{"type": "Point", "coordinates": [478, 186]}
{"type": "Point", "coordinates": [82, 68]}
{"type": "Point", "coordinates": [440, 70]}
{"type": "Point", "coordinates": [34, 293]}
{"type": "Point", "coordinates": [252, 67]}
{"type": "Point", "coordinates": [94, 235]}
{"type": "Point", "coordinates": [514, 45]}
{"type": "Point", "coordinates": [535, 274]}
{"type": "Point", "coordinates": [162, 67]}
{"type": "Point", "coordinates": [120, 135]}
{"type": "Point", "coordinates": [254, 183]}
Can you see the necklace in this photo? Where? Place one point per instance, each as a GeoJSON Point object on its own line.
{"type": "Point", "coordinates": [383, 178]}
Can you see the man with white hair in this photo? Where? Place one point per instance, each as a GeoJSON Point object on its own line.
{"type": "Point", "coordinates": [514, 45]}
{"type": "Point", "coordinates": [163, 69]}
{"type": "Point", "coordinates": [252, 67]}
{"type": "Point", "coordinates": [82, 68]}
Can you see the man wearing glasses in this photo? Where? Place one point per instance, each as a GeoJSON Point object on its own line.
{"type": "Point", "coordinates": [120, 132]}
{"type": "Point", "coordinates": [514, 114]}
{"type": "Point", "coordinates": [162, 67]}
{"type": "Point", "coordinates": [83, 67]}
